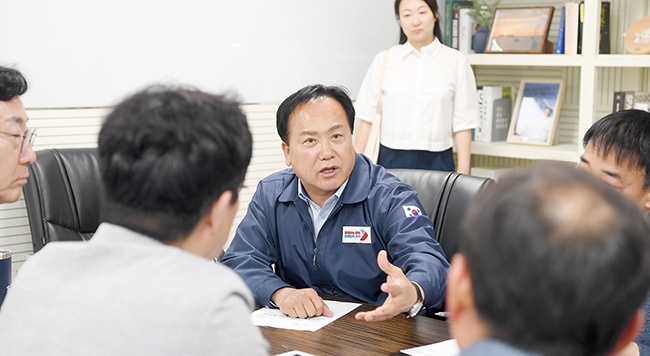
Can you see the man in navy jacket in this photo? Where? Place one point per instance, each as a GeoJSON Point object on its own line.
{"type": "Point", "coordinates": [334, 223]}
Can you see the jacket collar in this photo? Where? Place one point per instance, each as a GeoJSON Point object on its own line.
{"type": "Point", "coordinates": [357, 189]}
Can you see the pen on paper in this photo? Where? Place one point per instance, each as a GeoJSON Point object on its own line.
{"type": "Point", "coordinates": [442, 314]}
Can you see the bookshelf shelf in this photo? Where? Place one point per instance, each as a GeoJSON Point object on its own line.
{"type": "Point", "coordinates": [564, 152]}
{"type": "Point", "coordinates": [547, 60]}
{"type": "Point", "coordinates": [622, 60]}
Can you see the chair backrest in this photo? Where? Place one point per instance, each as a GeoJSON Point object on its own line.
{"type": "Point", "coordinates": [445, 197]}
{"type": "Point", "coordinates": [64, 195]}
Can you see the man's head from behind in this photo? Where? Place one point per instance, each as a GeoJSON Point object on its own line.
{"type": "Point", "coordinates": [15, 149]}
{"type": "Point", "coordinates": [617, 150]}
{"type": "Point", "coordinates": [167, 155]}
{"type": "Point", "coordinates": [553, 261]}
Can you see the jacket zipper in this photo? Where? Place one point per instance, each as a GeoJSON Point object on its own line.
{"type": "Point", "coordinates": [314, 259]}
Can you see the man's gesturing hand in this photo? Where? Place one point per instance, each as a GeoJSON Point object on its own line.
{"type": "Point", "coordinates": [401, 294]}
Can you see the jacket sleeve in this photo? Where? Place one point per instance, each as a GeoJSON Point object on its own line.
{"type": "Point", "coordinates": [253, 250]}
{"type": "Point", "coordinates": [411, 244]}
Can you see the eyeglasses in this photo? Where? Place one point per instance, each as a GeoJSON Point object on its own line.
{"type": "Point", "coordinates": [27, 139]}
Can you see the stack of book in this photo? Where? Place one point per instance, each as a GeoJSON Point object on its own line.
{"type": "Point", "coordinates": [569, 39]}
{"type": "Point", "coordinates": [624, 100]}
{"type": "Point", "coordinates": [457, 25]}
{"type": "Point", "coordinates": [495, 111]}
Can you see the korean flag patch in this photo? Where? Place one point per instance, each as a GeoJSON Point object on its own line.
{"type": "Point", "coordinates": [411, 211]}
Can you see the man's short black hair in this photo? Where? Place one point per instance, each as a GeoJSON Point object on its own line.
{"type": "Point", "coordinates": [167, 154]}
{"type": "Point", "coordinates": [289, 105]}
{"type": "Point", "coordinates": [559, 261]}
{"type": "Point", "coordinates": [627, 134]}
{"type": "Point", "coordinates": [12, 83]}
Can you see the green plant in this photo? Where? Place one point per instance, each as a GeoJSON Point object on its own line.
{"type": "Point", "coordinates": [482, 12]}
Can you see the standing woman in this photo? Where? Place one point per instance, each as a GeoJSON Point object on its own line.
{"type": "Point", "coordinates": [428, 96]}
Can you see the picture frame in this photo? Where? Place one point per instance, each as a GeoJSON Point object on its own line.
{"type": "Point", "coordinates": [536, 111]}
{"type": "Point", "coordinates": [519, 30]}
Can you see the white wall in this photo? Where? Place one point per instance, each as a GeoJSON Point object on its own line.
{"type": "Point", "coordinates": [93, 52]}
{"type": "Point", "coordinates": [90, 53]}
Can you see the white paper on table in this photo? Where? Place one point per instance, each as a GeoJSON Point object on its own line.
{"type": "Point", "coordinates": [276, 319]}
{"type": "Point", "coordinates": [295, 353]}
{"type": "Point", "coordinates": [443, 348]}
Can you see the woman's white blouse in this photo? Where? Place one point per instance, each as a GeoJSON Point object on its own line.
{"type": "Point", "coordinates": [427, 96]}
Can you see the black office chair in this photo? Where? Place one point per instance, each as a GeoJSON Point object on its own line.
{"type": "Point", "coordinates": [64, 195]}
{"type": "Point", "coordinates": [445, 197]}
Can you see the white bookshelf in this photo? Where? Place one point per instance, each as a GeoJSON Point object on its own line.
{"type": "Point", "coordinates": [562, 152]}
{"type": "Point", "coordinates": [546, 60]}
{"type": "Point", "coordinates": [583, 80]}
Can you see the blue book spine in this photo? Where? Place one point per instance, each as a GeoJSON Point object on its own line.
{"type": "Point", "coordinates": [559, 48]}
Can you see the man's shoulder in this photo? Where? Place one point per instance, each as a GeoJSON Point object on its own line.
{"type": "Point", "coordinates": [275, 187]}
{"type": "Point", "coordinates": [382, 179]}
{"type": "Point", "coordinates": [279, 179]}
{"type": "Point", "coordinates": [492, 347]}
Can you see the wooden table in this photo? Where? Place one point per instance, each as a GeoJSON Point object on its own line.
{"type": "Point", "coordinates": [348, 336]}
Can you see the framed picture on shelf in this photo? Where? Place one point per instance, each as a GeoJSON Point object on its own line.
{"type": "Point", "coordinates": [519, 30]}
{"type": "Point", "coordinates": [536, 111]}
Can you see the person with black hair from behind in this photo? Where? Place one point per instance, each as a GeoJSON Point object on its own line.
{"type": "Point", "coordinates": [552, 262]}
{"type": "Point", "coordinates": [172, 161]}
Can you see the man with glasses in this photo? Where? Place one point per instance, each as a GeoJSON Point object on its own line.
{"type": "Point", "coordinates": [15, 138]}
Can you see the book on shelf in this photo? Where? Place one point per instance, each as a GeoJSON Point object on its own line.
{"type": "Point", "coordinates": [466, 29]}
{"type": "Point", "coordinates": [559, 47]}
{"type": "Point", "coordinates": [450, 5]}
{"type": "Point", "coordinates": [642, 100]}
{"type": "Point", "coordinates": [454, 29]}
{"type": "Point", "coordinates": [604, 46]}
{"type": "Point", "coordinates": [581, 23]}
{"type": "Point", "coordinates": [455, 26]}
{"type": "Point", "coordinates": [571, 13]}
{"type": "Point", "coordinates": [494, 172]}
{"type": "Point", "coordinates": [604, 43]}
{"type": "Point", "coordinates": [624, 100]}
{"type": "Point", "coordinates": [441, 19]}
{"type": "Point", "coordinates": [495, 111]}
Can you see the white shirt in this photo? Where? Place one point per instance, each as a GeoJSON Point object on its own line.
{"type": "Point", "coordinates": [318, 214]}
{"type": "Point", "coordinates": [427, 96]}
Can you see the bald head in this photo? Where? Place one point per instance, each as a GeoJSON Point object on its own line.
{"type": "Point", "coordinates": [554, 245]}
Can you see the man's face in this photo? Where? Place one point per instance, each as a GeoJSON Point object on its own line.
{"type": "Point", "coordinates": [13, 163]}
{"type": "Point", "coordinates": [623, 176]}
{"type": "Point", "coordinates": [319, 147]}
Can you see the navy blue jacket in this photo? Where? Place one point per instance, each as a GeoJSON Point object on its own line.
{"type": "Point", "coordinates": [278, 231]}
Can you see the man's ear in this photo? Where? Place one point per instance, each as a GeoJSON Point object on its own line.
{"type": "Point", "coordinates": [285, 150]}
{"type": "Point", "coordinates": [646, 203]}
{"type": "Point", "coordinates": [220, 218]}
{"type": "Point", "coordinates": [219, 208]}
{"type": "Point", "coordinates": [459, 287]}
{"type": "Point", "coordinates": [631, 331]}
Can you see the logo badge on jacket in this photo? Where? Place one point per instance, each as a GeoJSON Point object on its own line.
{"type": "Point", "coordinates": [356, 235]}
{"type": "Point", "coordinates": [411, 211]}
